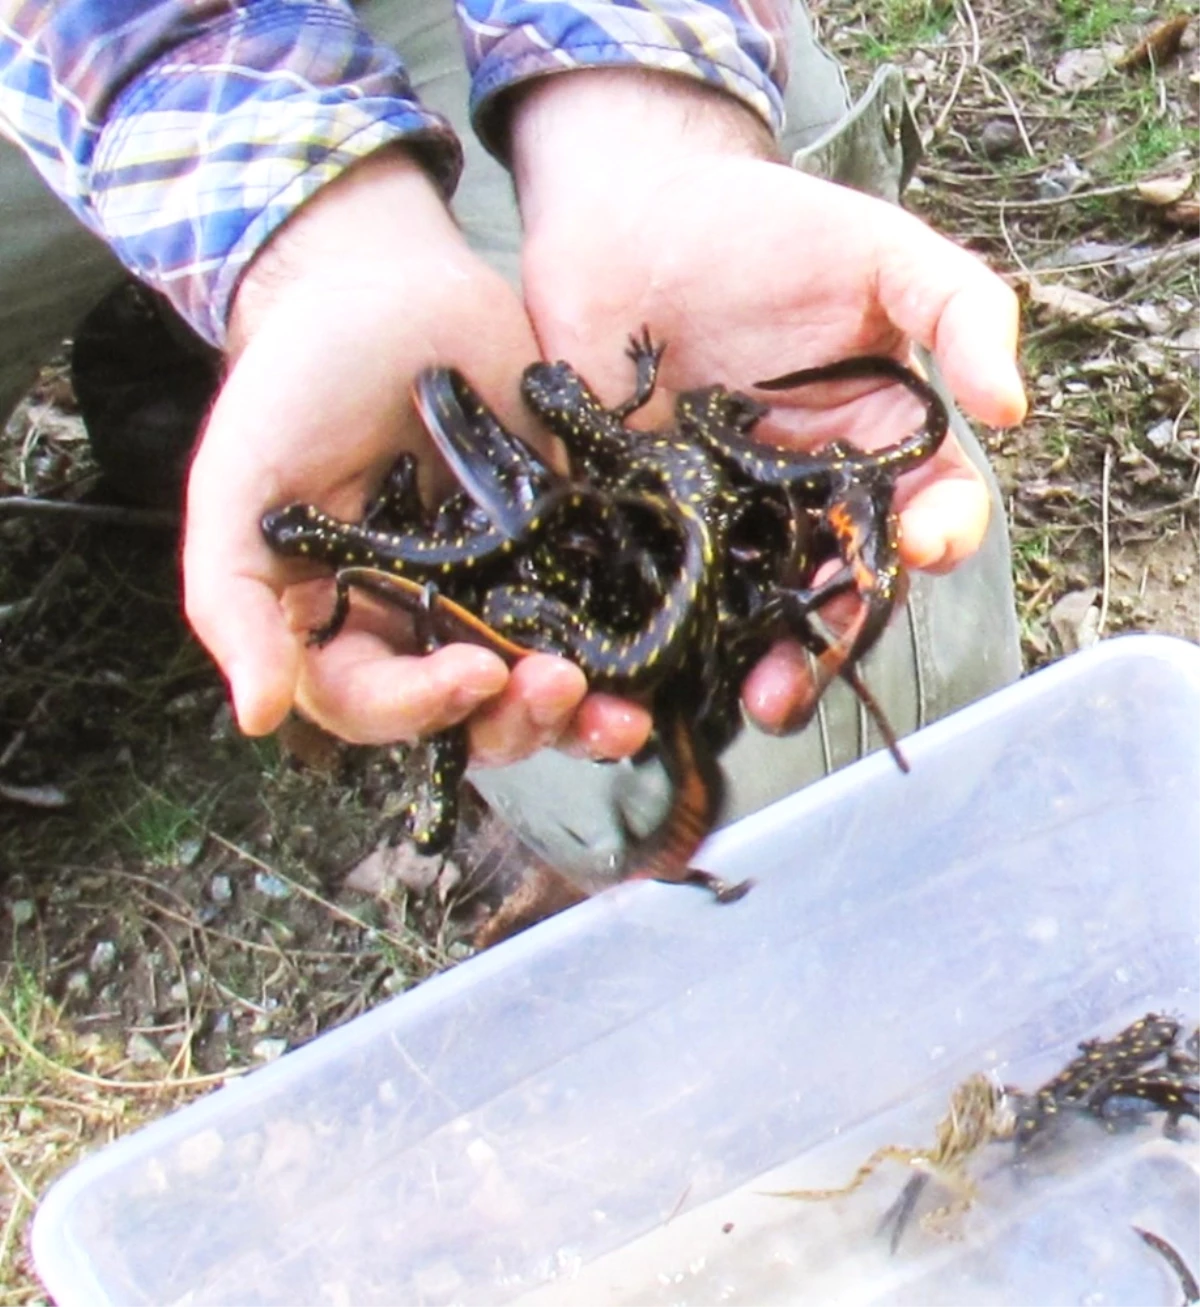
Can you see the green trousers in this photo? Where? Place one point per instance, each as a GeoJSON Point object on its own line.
{"type": "Point", "coordinates": [956, 639]}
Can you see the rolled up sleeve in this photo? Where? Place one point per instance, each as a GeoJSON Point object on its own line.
{"type": "Point", "coordinates": [184, 134]}
{"type": "Point", "coordinates": [739, 48]}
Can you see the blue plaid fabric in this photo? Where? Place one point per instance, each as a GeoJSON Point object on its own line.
{"type": "Point", "coordinates": [183, 132]}
{"type": "Point", "coordinates": [739, 47]}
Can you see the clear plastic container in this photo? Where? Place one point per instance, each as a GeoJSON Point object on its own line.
{"type": "Point", "coordinates": [593, 1111]}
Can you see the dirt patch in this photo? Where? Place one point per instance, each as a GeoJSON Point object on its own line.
{"type": "Point", "coordinates": [1155, 580]}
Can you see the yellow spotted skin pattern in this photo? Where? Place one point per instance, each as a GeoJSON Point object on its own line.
{"type": "Point", "coordinates": [663, 563]}
{"type": "Point", "coordinates": [814, 474]}
{"type": "Point", "coordinates": [1143, 1068]}
{"type": "Point", "coordinates": [625, 662]}
{"type": "Point", "coordinates": [432, 817]}
{"type": "Point", "coordinates": [304, 531]}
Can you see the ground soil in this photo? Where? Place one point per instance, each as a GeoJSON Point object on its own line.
{"type": "Point", "coordinates": [180, 903]}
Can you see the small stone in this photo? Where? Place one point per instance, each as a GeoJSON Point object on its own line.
{"type": "Point", "coordinates": [999, 138]}
{"type": "Point", "coordinates": [29, 1118]}
{"type": "Point", "coordinates": [220, 889]}
{"type": "Point", "coordinates": [141, 1052]}
{"type": "Point", "coordinates": [104, 955]}
{"type": "Point", "coordinates": [188, 850]}
{"type": "Point", "coordinates": [270, 886]}
{"type": "Point", "coordinates": [1162, 434]}
{"type": "Point", "coordinates": [223, 726]}
{"type": "Point", "coordinates": [186, 703]}
{"type": "Point", "coordinates": [267, 1050]}
{"type": "Point", "coordinates": [1064, 178]}
{"type": "Point", "coordinates": [389, 865]}
{"type": "Point", "coordinates": [79, 984]}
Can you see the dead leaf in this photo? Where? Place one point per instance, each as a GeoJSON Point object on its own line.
{"type": "Point", "coordinates": [1075, 619]}
{"type": "Point", "coordinates": [1070, 304]}
{"type": "Point", "coordinates": [1149, 358]}
{"type": "Point", "coordinates": [1165, 190]}
{"type": "Point", "coordinates": [388, 865]}
{"type": "Point", "coordinates": [1158, 45]}
{"type": "Point", "coordinates": [1078, 70]}
{"type": "Point", "coordinates": [1184, 214]}
{"type": "Point", "coordinates": [1153, 317]}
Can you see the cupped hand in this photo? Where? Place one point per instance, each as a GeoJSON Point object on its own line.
{"type": "Point", "coordinates": [651, 201]}
{"type": "Point", "coordinates": [367, 284]}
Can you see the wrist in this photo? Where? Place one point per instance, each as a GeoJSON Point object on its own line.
{"type": "Point", "coordinates": [602, 129]}
{"type": "Point", "coordinates": [351, 231]}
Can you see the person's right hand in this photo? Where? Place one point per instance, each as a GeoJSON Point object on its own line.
{"type": "Point", "coordinates": [366, 285]}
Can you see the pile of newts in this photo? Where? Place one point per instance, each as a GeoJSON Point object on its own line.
{"type": "Point", "coordinates": [663, 563]}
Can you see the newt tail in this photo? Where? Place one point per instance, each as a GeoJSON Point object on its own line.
{"type": "Point", "coordinates": [697, 789]}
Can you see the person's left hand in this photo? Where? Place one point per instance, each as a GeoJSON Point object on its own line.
{"type": "Point", "coordinates": [652, 202]}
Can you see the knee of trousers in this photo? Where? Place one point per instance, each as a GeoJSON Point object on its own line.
{"type": "Point", "coordinates": [52, 270]}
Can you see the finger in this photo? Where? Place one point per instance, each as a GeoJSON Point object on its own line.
{"type": "Point", "coordinates": [232, 606]}
{"type": "Point", "coordinates": [238, 620]}
{"type": "Point", "coordinates": [945, 298]}
{"type": "Point", "coordinates": [534, 709]}
{"type": "Point", "coordinates": [779, 688]}
{"type": "Point", "coordinates": [944, 522]}
{"type": "Point", "coordinates": [606, 728]}
{"type": "Point", "coordinates": [358, 688]}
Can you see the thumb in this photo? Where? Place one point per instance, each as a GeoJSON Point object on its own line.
{"type": "Point", "coordinates": [946, 299]}
{"type": "Point", "coordinates": [239, 621]}
{"type": "Point", "coordinates": [229, 597]}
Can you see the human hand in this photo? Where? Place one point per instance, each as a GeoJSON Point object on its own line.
{"type": "Point", "coordinates": [367, 284]}
{"type": "Point", "coordinates": [649, 200]}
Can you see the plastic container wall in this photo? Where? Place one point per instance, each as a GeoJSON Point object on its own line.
{"type": "Point", "coordinates": [1034, 878]}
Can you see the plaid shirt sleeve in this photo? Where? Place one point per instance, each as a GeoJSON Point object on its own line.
{"type": "Point", "coordinates": [739, 46]}
{"type": "Point", "coordinates": [183, 132]}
